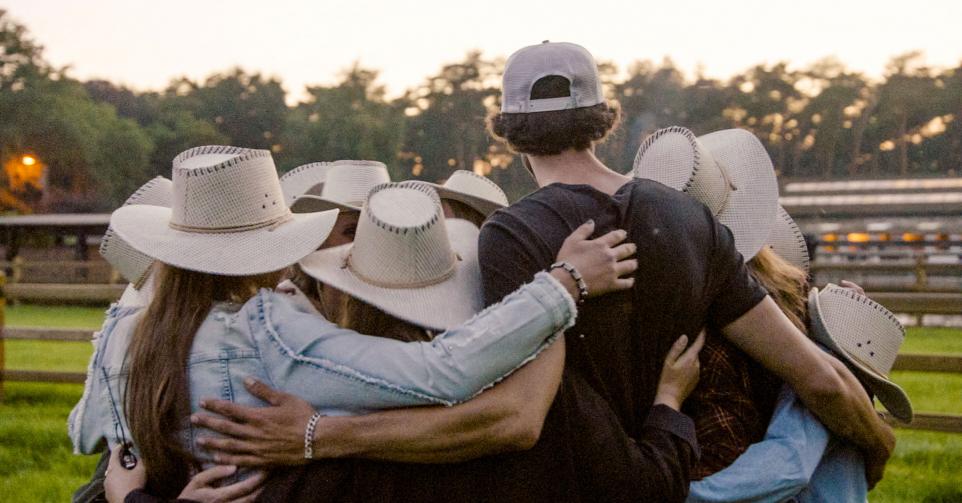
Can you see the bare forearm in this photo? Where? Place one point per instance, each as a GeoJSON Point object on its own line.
{"type": "Point", "coordinates": [823, 383]}
{"type": "Point", "coordinates": [851, 415]}
{"type": "Point", "coordinates": [505, 418]}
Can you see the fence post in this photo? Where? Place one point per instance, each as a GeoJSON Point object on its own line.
{"type": "Point", "coordinates": [3, 309]}
{"type": "Point", "coordinates": [16, 272]}
{"type": "Point", "coordinates": [921, 281]}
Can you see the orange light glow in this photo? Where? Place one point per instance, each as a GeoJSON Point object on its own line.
{"type": "Point", "coordinates": [859, 237]}
{"type": "Point", "coordinates": [28, 160]}
{"type": "Point", "coordinates": [912, 237]}
{"type": "Point", "coordinates": [885, 236]}
{"type": "Point", "coordinates": [830, 237]}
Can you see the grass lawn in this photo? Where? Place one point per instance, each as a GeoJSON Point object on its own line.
{"type": "Point", "coordinates": [30, 315]}
{"type": "Point", "coordinates": [36, 463]}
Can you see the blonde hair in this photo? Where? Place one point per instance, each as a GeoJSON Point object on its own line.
{"type": "Point", "coordinates": [787, 284]}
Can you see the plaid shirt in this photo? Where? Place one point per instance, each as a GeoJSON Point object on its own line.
{"type": "Point", "coordinates": [731, 405]}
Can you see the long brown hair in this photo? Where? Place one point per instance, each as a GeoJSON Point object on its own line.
{"type": "Point", "coordinates": [157, 395]}
{"type": "Point", "coordinates": [355, 314]}
{"type": "Point", "coordinates": [364, 318]}
{"type": "Point", "coordinates": [787, 284]}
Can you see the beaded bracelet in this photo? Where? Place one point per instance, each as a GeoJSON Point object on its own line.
{"type": "Point", "coordinates": [575, 275]}
{"type": "Point", "coordinates": [309, 436]}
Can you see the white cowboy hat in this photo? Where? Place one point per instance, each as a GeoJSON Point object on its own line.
{"type": "Point", "coordinates": [476, 191]}
{"type": "Point", "coordinates": [130, 263]}
{"type": "Point", "coordinates": [305, 179]}
{"type": "Point", "coordinates": [788, 241]}
{"type": "Point", "coordinates": [347, 185]}
{"type": "Point", "coordinates": [866, 336]}
{"type": "Point", "coordinates": [228, 217]}
{"type": "Point", "coordinates": [407, 260]}
{"type": "Point", "coordinates": [729, 171]}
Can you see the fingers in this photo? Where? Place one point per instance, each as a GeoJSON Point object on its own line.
{"type": "Point", "coordinates": [224, 426]}
{"type": "Point", "coordinates": [210, 475]}
{"type": "Point", "coordinates": [852, 286]}
{"type": "Point", "coordinates": [677, 349]}
{"type": "Point", "coordinates": [613, 238]}
{"type": "Point", "coordinates": [625, 250]}
{"type": "Point", "coordinates": [626, 267]}
{"type": "Point", "coordinates": [264, 392]}
{"type": "Point", "coordinates": [240, 459]}
{"type": "Point", "coordinates": [229, 445]}
{"type": "Point", "coordinates": [242, 488]}
{"type": "Point", "coordinates": [250, 498]}
{"type": "Point", "coordinates": [229, 409]}
{"type": "Point", "coordinates": [699, 342]}
{"type": "Point", "coordinates": [691, 354]}
{"type": "Point", "coordinates": [583, 231]}
{"type": "Point", "coordinates": [624, 283]}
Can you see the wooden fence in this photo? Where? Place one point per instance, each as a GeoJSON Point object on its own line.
{"type": "Point", "coordinates": [908, 362]}
{"type": "Point", "coordinates": [903, 276]}
{"type": "Point", "coordinates": [913, 287]}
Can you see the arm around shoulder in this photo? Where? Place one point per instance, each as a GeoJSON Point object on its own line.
{"type": "Point", "coordinates": [823, 383]}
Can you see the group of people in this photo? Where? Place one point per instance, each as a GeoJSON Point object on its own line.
{"type": "Point", "coordinates": [333, 335]}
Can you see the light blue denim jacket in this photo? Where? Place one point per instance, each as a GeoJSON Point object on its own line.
{"type": "Point", "coordinates": [284, 342]}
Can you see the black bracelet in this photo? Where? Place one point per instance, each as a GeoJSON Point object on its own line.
{"type": "Point", "coordinates": [575, 275]}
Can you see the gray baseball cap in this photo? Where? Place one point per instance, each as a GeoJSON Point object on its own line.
{"type": "Point", "coordinates": [532, 63]}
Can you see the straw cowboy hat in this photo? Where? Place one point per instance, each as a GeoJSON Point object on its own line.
{"type": "Point", "coordinates": [305, 179]}
{"type": "Point", "coordinates": [729, 171]}
{"type": "Point", "coordinates": [476, 191]}
{"type": "Point", "coordinates": [788, 241]}
{"type": "Point", "coordinates": [227, 216]}
{"type": "Point", "coordinates": [866, 336]}
{"type": "Point", "coordinates": [407, 260]}
{"type": "Point", "coordinates": [346, 187]}
{"type": "Point", "coordinates": [130, 263]}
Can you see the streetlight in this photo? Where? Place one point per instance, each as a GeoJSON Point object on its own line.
{"type": "Point", "coordinates": [28, 160]}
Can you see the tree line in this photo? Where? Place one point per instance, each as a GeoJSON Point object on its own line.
{"type": "Point", "coordinates": [99, 140]}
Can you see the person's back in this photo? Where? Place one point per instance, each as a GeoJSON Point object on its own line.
{"type": "Point", "coordinates": [688, 275]}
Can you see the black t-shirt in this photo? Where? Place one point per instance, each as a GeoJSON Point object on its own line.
{"type": "Point", "coordinates": [689, 275]}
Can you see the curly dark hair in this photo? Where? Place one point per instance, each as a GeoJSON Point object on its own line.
{"type": "Point", "coordinates": [551, 133]}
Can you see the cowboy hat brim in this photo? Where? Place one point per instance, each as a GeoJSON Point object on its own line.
{"type": "Point", "coordinates": [480, 204]}
{"type": "Point", "coordinates": [891, 395]}
{"type": "Point", "coordinates": [787, 240]}
{"type": "Point", "coordinates": [310, 204]}
{"type": "Point", "coordinates": [147, 229]}
{"type": "Point", "coordinates": [749, 211]}
{"type": "Point", "coordinates": [440, 306]}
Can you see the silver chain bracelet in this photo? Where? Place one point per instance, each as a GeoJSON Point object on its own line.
{"type": "Point", "coordinates": [309, 436]}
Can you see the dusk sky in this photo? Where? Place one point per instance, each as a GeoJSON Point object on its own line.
{"type": "Point", "coordinates": [146, 44]}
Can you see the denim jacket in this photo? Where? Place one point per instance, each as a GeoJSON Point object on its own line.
{"type": "Point", "coordinates": [281, 340]}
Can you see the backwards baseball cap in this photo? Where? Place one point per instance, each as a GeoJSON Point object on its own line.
{"type": "Point", "coordinates": [530, 64]}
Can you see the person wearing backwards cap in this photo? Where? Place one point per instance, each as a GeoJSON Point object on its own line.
{"type": "Point", "coordinates": [691, 269]}
{"type": "Point", "coordinates": [221, 246]}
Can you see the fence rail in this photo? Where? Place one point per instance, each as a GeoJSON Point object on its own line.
{"type": "Point", "coordinates": [64, 292]}
{"type": "Point", "coordinates": [59, 271]}
{"type": "Point", "coordinates": [920, 302]}
{"type": "Point", "coordinates": [900, 276]}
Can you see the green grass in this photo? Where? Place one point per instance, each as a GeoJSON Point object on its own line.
{"type": "Point", "coordinates": [36, 459]}
{"type": "Point", "coordinates": [36, 462]}
{"type": "Point", "coordinates": [48, 355]}
{"type": "Point", "coordinates": [925, 468]}
{"type": "Point", "coordinates": [932, 340]}
{"type": "Point", "coordinates": [28, 315]}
